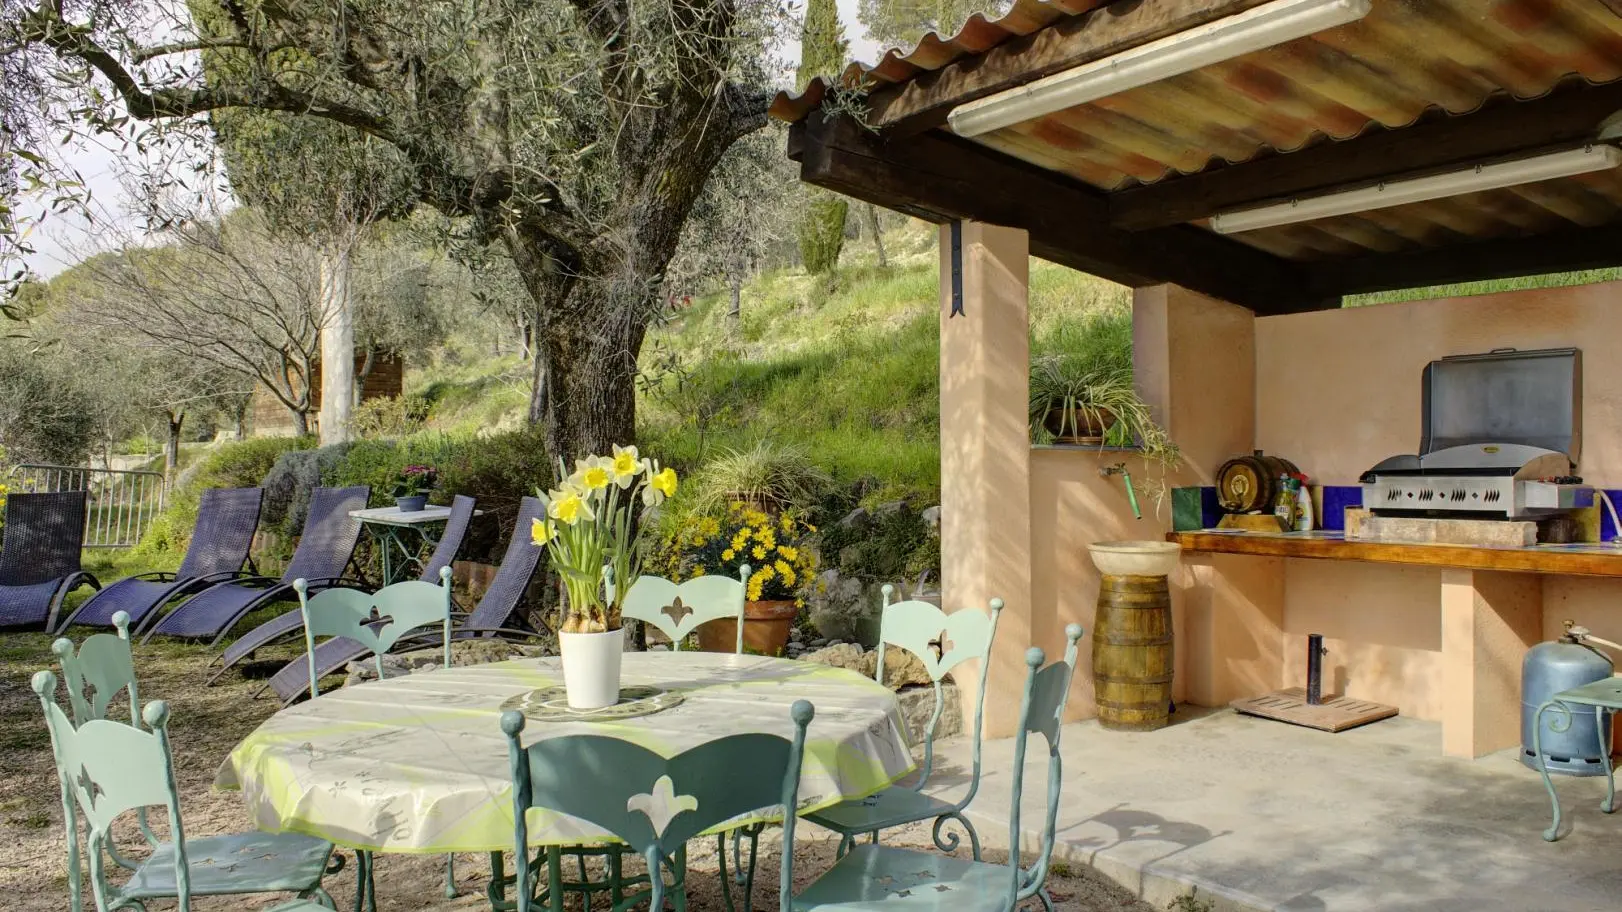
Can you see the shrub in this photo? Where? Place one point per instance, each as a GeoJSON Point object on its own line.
{"type": "Point", "coordinates": [393, 416]}
{"type": "Point", "coordinates": [290, 482]}
{"type": "Point", "coordinates": [765, 474]}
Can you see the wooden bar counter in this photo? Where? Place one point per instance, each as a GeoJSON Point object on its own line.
{"type": "Point", "coordinates": [1587, 559]}
{"type": "Point", "coordinates": [1489, 611]}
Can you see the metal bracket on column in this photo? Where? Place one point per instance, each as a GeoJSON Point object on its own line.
{"type": "Point", "coordinates": [957, 270]}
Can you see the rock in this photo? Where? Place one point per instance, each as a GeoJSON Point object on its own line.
{"type": "Point", "coordinates": [818, 643]}
{"type": "Point", "coordinates": [836, 642]}
{"type": "Point", "coordinates": [889, 510]}
{"type": "Point", "coordinates": [918, 704]}
{"type": "Point", "coordinates": [932, 519]}
{"type": "Point", "coordinates": [841, 655]}
{"type": "Point", "coordinates": [901, 668]}
{"type": "Point", "coordinates": [857, 520]}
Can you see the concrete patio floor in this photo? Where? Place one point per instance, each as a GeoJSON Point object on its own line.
{"type": "Point", "coordinates": [1259, 815]}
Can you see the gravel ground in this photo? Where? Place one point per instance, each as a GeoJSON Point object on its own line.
{"type": "Point", "coordinates": [209, 721]}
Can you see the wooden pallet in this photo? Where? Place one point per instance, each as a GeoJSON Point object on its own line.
{"type": "Point", "coordinates": [1335, 713]}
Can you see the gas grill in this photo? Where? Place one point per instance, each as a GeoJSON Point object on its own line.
{"type": "Point", "coordinates": [1502, 434]}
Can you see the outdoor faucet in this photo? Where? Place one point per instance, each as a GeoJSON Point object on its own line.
{"type": "Point", "coordinates": [1120, 469]}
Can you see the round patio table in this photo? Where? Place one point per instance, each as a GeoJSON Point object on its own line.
{"type": "Point", "coordinates": [418, 763]}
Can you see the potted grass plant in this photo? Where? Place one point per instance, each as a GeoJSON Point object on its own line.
{"type": "Point", "coordinates": [1082, 394]}
{"type": "Point", "coordinates": [593, 539]}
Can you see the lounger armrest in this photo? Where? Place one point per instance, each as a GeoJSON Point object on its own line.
{"type": "Point", "coordinates": [156, 576]}
{"type": "Point", "coordinates": [333, 581]}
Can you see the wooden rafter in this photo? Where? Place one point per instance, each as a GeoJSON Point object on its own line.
{"type": "Point", "coordinates": [940, 177]}
{"type": "Point", "coordinates": [1570, 115]}
{"type": "Point", "coordinates": [1501, 258]}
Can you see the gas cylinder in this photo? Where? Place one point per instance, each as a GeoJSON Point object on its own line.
{"type": "Point", "coordinates": [1548, 669]}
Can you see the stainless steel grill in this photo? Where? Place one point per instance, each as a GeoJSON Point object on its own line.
{"type": "Point", "coordinates": [1501, 438]}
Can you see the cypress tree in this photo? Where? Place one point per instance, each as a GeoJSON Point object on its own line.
{"type": "Point", "coordinates": [822, 53]}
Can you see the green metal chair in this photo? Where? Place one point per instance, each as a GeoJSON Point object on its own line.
{"type": "Point", "coordinates": [107, 769]}
{"type": "Point", "coordinates": [677, 609]}
{"type": "Point", "coordinates": [942, 642]}
{"type": "Point", "coordinates": [655, 804]}
{"type": "Point", "coordinates": [878, 878]}
{"type": "Point", "coordinates": [377, 621]}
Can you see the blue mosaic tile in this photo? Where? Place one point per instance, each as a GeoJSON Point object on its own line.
{"type": "Point", "coordinates": [1333, 501]}
{"type": "Point", "coordinates": [1607, 528]}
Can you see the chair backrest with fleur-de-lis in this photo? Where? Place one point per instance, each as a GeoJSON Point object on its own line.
{"type": "Point", "coordinates": [98, 670]}
{"type": "Point", "coordinates": [677, 609]}
{"type": "Point", "coordinates": [941, 642]}
{"type": "Point", "coordinates": [108, 769]}
{"type": "Point", "coordinates": [1047, 690]}
{"type": "Point", "coordinates": [377, 620]}
{"type": "Point", "coordinates": [656, 804]}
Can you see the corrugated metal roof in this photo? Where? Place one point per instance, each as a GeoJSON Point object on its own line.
{"type": "Point", "coordinates": [933, 52]}
{"type": "Point", "coordinates": [1407, 58]}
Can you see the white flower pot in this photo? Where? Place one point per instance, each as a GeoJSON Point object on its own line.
{"type": "Point", "coordinates": [591, 668]}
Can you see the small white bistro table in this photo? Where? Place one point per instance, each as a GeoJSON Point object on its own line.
{"type": "Point", "coordinates": [388, 525]}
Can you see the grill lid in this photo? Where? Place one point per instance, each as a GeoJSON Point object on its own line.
{"type": "Point", "coordinates": [1512, 399]}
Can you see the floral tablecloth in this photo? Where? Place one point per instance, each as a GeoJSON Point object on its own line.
{"type": "Point", "coordinates": [419, 763]}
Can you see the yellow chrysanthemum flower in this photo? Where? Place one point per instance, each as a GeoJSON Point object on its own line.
{"type": "Point", "coordinates": [728, 554]}
{"type": "Point", "coordinates": [758, 552]}
{"type": "Point", "coordinates": [790, 552]}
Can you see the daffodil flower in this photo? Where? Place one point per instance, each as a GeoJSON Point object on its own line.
{"type": "Point", "coordinates": [568, 507]}
{"type": "Point", "coordinates": [541, 531]}
{"type": "Point", "coordinates": [664, 482]}
{"type": "Point", "coordinates": [625, 465]}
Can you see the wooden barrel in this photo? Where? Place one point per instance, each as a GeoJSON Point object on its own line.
{"type": "Point", "coordinates": [1132, 653]}
{"type": "Point", "coordinates": [1251, 483]}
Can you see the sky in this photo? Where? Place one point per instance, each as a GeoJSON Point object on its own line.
{"type": "Point", "coordinates": [61, 239]}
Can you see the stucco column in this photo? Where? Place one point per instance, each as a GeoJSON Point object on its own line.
{"type": "Point", "coordinates": [1194, 363]}
{"type": "Point", "coordinates": [985, 454]}
{"type": "Point", "coordinates": [1489, 620]}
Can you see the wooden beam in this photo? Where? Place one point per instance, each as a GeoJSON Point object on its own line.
{"type": "Point", "coordinates": [1506, 128]}
{"type": "Point", "coordinates": [951, 178]}
{"type": "Point", "coordinates": [923, 102]}
{"type": "Point", "coordinates": [1503, 258]}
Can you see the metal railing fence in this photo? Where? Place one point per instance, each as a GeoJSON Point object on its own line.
{"type": "Point", "coordinates": [122, 503]}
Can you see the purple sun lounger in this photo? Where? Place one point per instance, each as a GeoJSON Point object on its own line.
{"type": "Point", "coordinates": [285, 625]}
{"type": "Point", "coordinates": [322, 555]}
{"type": "Point", "coordinates": [226, 519]}
{"type": "Point", "coordinates": [486, 620]}
{"type": "Point", "coordinates": [39, 563]}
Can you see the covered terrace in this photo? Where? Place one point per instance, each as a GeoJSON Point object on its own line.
{"type": "Point", "coordinates": [1244, 166]}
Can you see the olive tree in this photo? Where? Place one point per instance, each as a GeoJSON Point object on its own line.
{"type": "Point", "coordinates": [577, 134]}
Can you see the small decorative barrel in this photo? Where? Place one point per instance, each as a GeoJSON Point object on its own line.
{"type": "Point", "coordinates": [1249, 483]}
{"type": "Point", "coordinates": [1132, 653]}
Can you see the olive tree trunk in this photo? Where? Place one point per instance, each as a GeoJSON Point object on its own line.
{"type": "Point", "coordinates": [337, 347]}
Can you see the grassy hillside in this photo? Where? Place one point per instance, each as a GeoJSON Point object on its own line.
{"type": "Point", "coordinates": [847, 369]}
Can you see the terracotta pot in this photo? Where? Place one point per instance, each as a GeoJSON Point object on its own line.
{"type": "Point", "coordinates": [1086, 427]}
{"type": "Point", "coordinates": [766, 627]}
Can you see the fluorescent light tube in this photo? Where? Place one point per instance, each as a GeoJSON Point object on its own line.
{"type": "Point", "coordinates": [1262, 27]}
{"type": "Point", "coordinates": [1419, 189]}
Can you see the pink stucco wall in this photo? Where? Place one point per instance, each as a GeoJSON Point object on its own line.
{"type": "Point", "coordinates": [1336, 391]}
